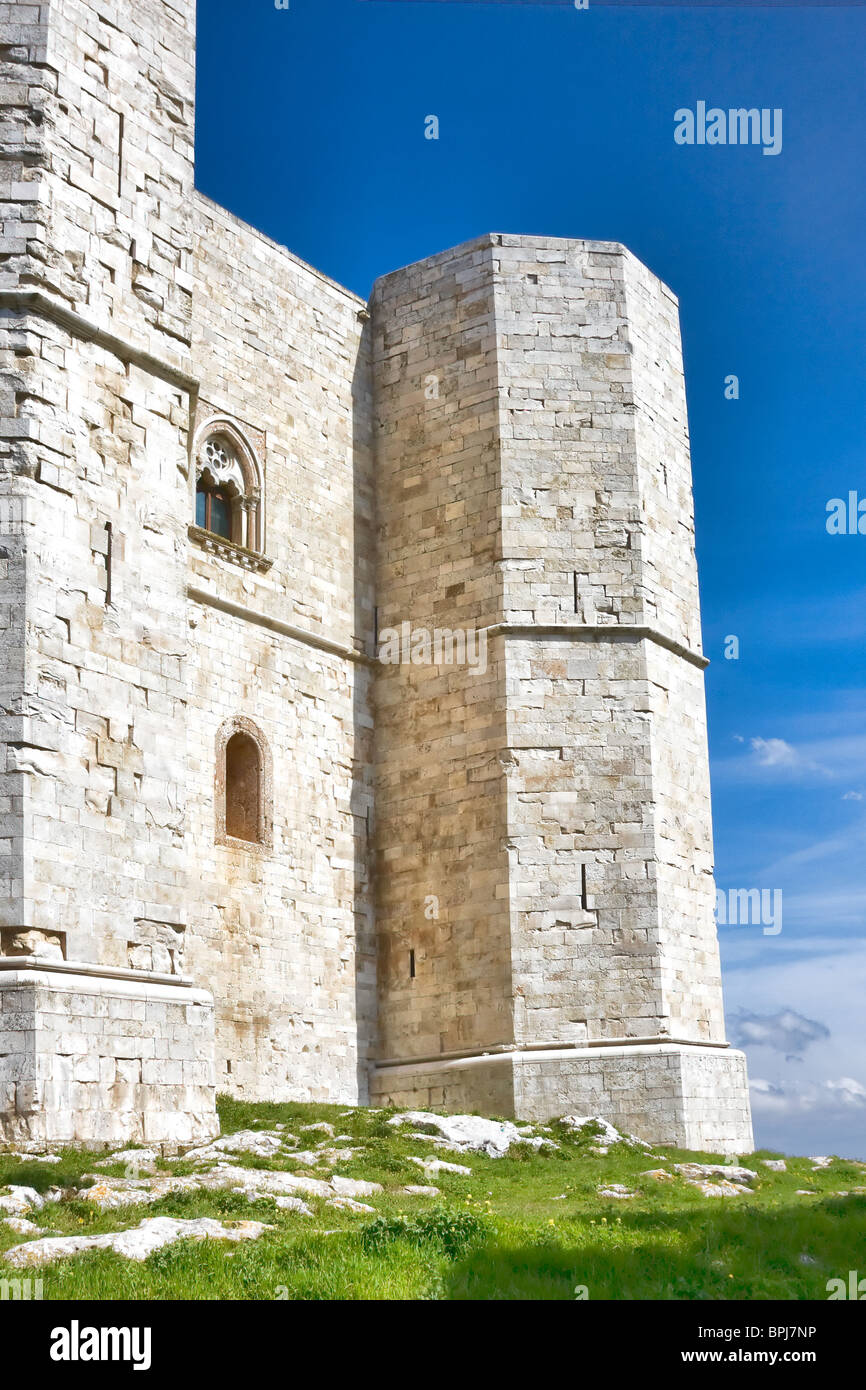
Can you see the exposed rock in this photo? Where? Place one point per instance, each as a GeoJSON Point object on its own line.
{"type": "Point", "coordinates": [471, 1133]}
{"type": "Point", "coordinates": [415, 1190]}
{"type": "Point", "coordinates": [434, 1166]}
{"type": "Point", "coordinates": [349, 1204]}
{"type": "Point", "coordinates": [609, 1135]}
{"type": "Point", "coordinates": [136, 1244]}
{"type": "Point", "coordinates": [260, 1143]}
{"type": "Point", "coordinates": [19, 1200]}
{"type": "Point", "coordinates": [262, 1182]}
{"type": "Point", "coordinates": [322, 1126]}
{"type": "Point", "coordinates": [435, 1140]}
{"type": "Point", "coordinates": [775, 1165]}
{"type": "Point", "coordinates": [719, 1189]}
{"type": "Point", "coordinates": [729, 1171]}
{"type": "Point", "coordinates": [821, 1161]}
{"type": "Point", "coordinates": [310, 1157]}
{"type": "Point", "coordinates": [32, 1157]}
{"type": "Point", "coordinates": [110, 1194]}
{"type": "Point", "coordinates": [615, 1189]}
{"type": "Point", "coordinates": [141, 1160]}
{"type": "Point", "coordinates": [659, 1175]}
{"type": "Point", "coordinates": [354, 1187]}
{"type": "Point", "coordinates": [20, 1226]}
{"type": "Point", "coordinates": [113, 1193]}
{"type": "Point", "coordinates": [287, 1204]}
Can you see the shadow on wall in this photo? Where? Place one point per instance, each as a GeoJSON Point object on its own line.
{"type": "Point", "coordinates": [363, 810]}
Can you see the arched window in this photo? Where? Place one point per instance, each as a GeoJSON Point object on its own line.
{"type": "Point", "coordinates": [244, 785]}
{"type": "Point", "coordinates": [228, 487]}
{"type": "Point", "coordinates": [243, 789]}
{"type": "Point", "coordinates": [213, 509]}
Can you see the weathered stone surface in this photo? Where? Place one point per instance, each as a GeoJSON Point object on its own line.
{"type": "Point", "coordinates": [354, 1187]}
{"type": "Point", "coordinates": [434, 1166]}
{"type": "Point", "coordinates": [20, 1226]}
{"type": "Point", "coordinates": [136, 1244]}
{"type": "Point", "coordinates": [349, 1204]}
{"type": "Point", "coordinates": [720, 1189]}
{"type": "Point", "coordinates": [471, 1133]}
{"type": "Point", "coordinates": [110, 1194]}
{"type": "Point", "coordinates": [287, 1204]}
{"type": "Point", "coordinates": [101, 1059]}
{"type": "Point", "coordinates": [728, 1171]}
{"type": "Point", "coordinates": [609, 1133]}
{"type": "Point", "coordinates": [17, 1201]}
{"type": "Point", "coordinates": [260, 1143]}
{"type": "Point", "coordinates": [134, 1160]}
{"type": "Point", "coordinates": [29, 1157]}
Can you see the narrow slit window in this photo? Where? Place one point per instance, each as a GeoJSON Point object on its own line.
{"type": "Point", "coordinates": [411, 965]}
{"type": "Point", "coordinates": [109, 560]}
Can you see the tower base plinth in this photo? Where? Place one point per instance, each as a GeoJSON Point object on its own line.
{"type": "Point", "coordinates": [688, 1095]}
{"type": "Point", "coordinates": [98, 1058]}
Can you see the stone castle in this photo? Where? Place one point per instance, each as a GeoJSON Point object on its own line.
{"type": "Point", "coordinates": [240, 852]}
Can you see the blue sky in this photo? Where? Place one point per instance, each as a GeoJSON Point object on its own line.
{"type": "Point", "coordinates": [558, 121]}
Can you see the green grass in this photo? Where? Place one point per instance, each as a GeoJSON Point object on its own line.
{"type": "Point", "coordinates": [527, 1226]}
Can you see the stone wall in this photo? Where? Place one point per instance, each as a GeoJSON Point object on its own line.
{"type": "Point", "coordinates": [100, 1058]}
{"type": "Point", "coordinates": [495, 447]}
{"type": "Point", "coordinates": [97, 154]}
{"type": "Point", "coordinates": [557, 809]}
{"type": "Point", "coordinates": [691, 1097]}
{"type": "Point", "coordinates": [136, 312]}
{"type": "Point", "coordinates": [442, 880]}
{"type": "Point", "coordinates": [283, 933]}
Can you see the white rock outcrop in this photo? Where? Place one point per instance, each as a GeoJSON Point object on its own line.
{"type": "Point", "coordinates": [136, 1244]}
{"type": "Point", "coordinates": [730, 1172]}
{"type": "Point", "coordinates": [471, 1133]}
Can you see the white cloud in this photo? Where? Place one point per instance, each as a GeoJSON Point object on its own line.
{"type": "Point", "coordinates": [785, 1031]}
{"type": "Point", "coordinates": [825, 1097]}
{"type": "Point", "coordinates": [850, 1092]}
{"type": "Point", "coordinates": [826, 745]}
{"type": "Point", "coordinates": [775, 752]}
{"type": "Point", "coordinates": [807, 993]}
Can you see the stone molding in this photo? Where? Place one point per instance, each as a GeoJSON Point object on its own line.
{"type": "Point", "coordinates": [44, 306]}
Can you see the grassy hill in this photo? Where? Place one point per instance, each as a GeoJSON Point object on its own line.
{"type": "Point", "coordinates": [533, 1224]}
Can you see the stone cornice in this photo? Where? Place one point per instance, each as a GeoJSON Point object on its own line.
{"type": "Point", "coordinates": [602, 632]}
{"type": "Point", "coordinates": [33, 301]}
{"type": "Point", "coordinates": [502, 1051]}
{"type": "Point", "coordinates": [47, 965]}
{"type": "Point", "coordinates": [297, 634]}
